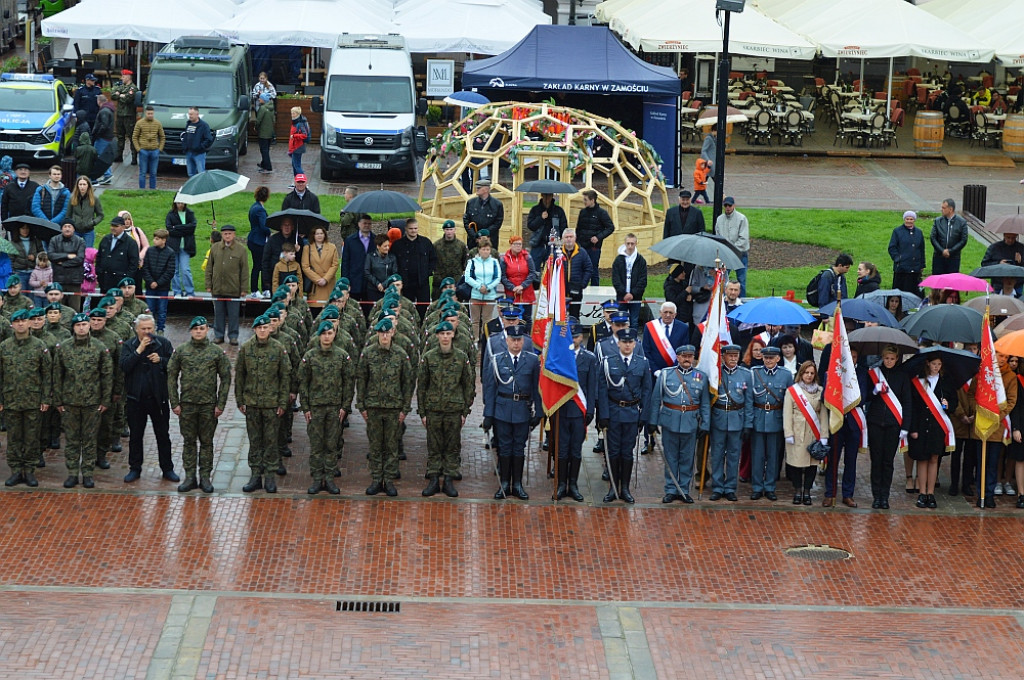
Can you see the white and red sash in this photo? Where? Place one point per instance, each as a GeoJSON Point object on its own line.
{"type": "Point", "coordinates": [657, 332]}
{"type": "Point", "coordinates": [1007, 430]}
{"type": "Point", "coordinates": [862, 422]}
{"type": "Point", "coordinates": [935, 406]}
{"type": "Point", "coordinates": [802, 403]}
{"type": "Point", "coordinates": [890, 400]}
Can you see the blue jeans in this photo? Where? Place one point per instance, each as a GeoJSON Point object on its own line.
{"type": "Point", "coordinates": [148, 161]}
{"type": "Point", "coordinates": [89, 237]}
{"type": "Point", "coordinates": [182, 281]}
{"type": "Point", "coordinates": [595, 257]}
{"type": "Point", "coordinates": [100, 145]}
{"type": "Point", "coordinates": [634, 312]}
{"type": "Point", "coordinates": [158, 305]}
{"type": "Point", "coordinates": [297, 160]}
{"type": "Point", "coordinates": [741, 274]}
{"type": "Point", "coordinates": [195, 163]}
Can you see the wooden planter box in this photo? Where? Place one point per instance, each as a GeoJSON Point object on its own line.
{"type": "Point", "coordinates": [283, 124]}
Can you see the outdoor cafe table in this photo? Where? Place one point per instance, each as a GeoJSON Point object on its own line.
{"type": "Point", "coordinates": [997, 118]}
{"type": "Point", "coordinates": [859, 117]}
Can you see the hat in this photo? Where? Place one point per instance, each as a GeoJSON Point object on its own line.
{"type": "Point", "coordinates": [228, 227]}
{"type": "Point", "coordinates": [291, 278]}
{"type": "Point", "coordinates": [261, 320]}
{"type": "Point", "coordinates": [391, 279]}
{"type": "Point", "coordinates": [330, 312]}
{"type": "Point", "coordinates": [384, 325]}
{"type": "Point", "coordinates": [516, 331]}
{"type": "Point", "coordinates": [340, 287]}
{"type": "Point", "coordinates": [609, 305]}
{"type": "Point", "coordinates": [90, 76]}
{"type": "Point", "coordinates": [105, 302]}
{"type": "Point", "coordinates": [283, 288]}
{"type": "Point", "coordinates": [770, 351]}
{"type": "Point", "coordinates": [324, 326]}
{"type": "Point", "coordinates": [450, 310]}
{"type": "Point", "coordinates": [13, 280]}
{"type": "Point", "coordinates": [576, 329]}
{"type": "Point", "coordinates": [910, 213]}
{"type": "Point", "coordinates": [483, 183]}
{"type": "Point", "coordinates": [197, 321]}
{"type": "Point", "coordinates": [732, 348]}
{"type": "Point", "coordinates": [686, 349]}
{"type": "Point", "coordinates": [729, 200]}
{"type": "Point", "coordinates": [127, 72]}
{"type": "Point", "coordinates": [620, 318]}
{"type": "Point", "coordinates": [21, 314]}
{"type": "Point", "coordinates": [626, 335]}
{"type": "Point", "coordinates": [272, 313]}
{"type": "Point", "coordinates": [53, 286]}
{"type": "Point", "coordinates": [301, 177]}
{"type": "Point", "coordinates": [685, 194]}
{"type": "Point", "coordinates": [116, 221]}
{"type": "Point", "coordinates": [265, 97]}
{"type": "Point", "coordinates": [448, 224]}
{"type": "Point", "coordinates": [115, 293]}
{"type": "Point", "coordinates": [277, 307]}
{"type": "Point", "coordinates": [98, 313]}
{"type": "Point", "coordinates": [511, 313]}
{"type": "Point", "coordinates": [483, 232]}
{"type": "Point", "coordinates": [447, 281]}
{"type": "Point", "coordinates": [126, 281]}
{"type": "Point", "coordinates": [343, 281]}
{"type": "Point", "coordinates": [36, 312]}
{"type": "Point", "coordinates": [279, 296]}
{"type": "Point", "coordinates": [19, 166]}
{"type": "Point", "coordinates": [79, 318]}
{"type": "Point", "coordinates": [443, 326]}
{"type": "Point", "coordinates": [52, 307]}
{"type": "Point", "coordinates": [504, 301]}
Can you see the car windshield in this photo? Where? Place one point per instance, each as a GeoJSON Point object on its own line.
{"type": "Point", "coordinates": [369, 94]}
{"type": "Point", "coordinates": [26, 100]}
{"type": "Point", "coordinates": [190, 88]}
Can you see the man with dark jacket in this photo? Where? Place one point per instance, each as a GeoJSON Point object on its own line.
{"type": "Point", "coordinates": [18, 194]}
{"type": "Point", "coordinates": [353, 259]}
{"type": "Point", "coordinates": [158, 269]}
{"type": "Point", "coordinates": [416, 263]}
{"type": "Point", "coordinates": [593, 226]}
{"type": "Point", "coordinates": [629, 278]}
{"type": "Point", "coordinates": [483, 212]}
{"type": "Point", "coordinates": [67, 257]}
{"type": "Point", "coordinates": [833, 280]}
{"type": "Point", "coordinates": [906, 248]}
{"type": "Point", "coordinates": [117, 256]}
{"type": "Point", "coordinates": [301, 198]}
{"type": "Point", "coordinates": [85, 100]}
{"type": "Point", "coordinates": [683, 218]}
{"type": "Point", "coordinates": [1007, 251]}
{"type": "Point", "coordinates": [948, 237]}
{"type": "Point", "coordinates": [272, 249]}
{"type": "Point", "coordinates": [103, 132]}
{"type": "Point", "coordinates": [579, 270]}
{"type": "Point", "coordinates": [545, 217]}
{"type": "Point", "coordinates": [143, 362]}
{"type": "Point", "coordinates": [196, 140]}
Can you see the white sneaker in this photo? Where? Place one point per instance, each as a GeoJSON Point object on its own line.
{"type": "Point", "coordinates": [999, 489]}
{"type": "Point", "coordinates": [1009, 489]}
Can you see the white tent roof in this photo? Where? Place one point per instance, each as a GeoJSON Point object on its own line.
{"type": "Point", "coordinates": [997, 22]}
{"type": "Point", "coordinates": [479, 26]}
{"type": "Point", "coordinates": [138, 19]}
{"type": "Point", "coordinates": [692, 26]}
{"type": "Point", "coordinates": [871, 29]}
{"type": "Point", "coordinates": [313, 23]}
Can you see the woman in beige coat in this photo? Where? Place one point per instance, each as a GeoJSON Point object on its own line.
{"type": "Point", "coordinates": [800, 467]}
{"type": "Point", "coordinates": [320, 266]}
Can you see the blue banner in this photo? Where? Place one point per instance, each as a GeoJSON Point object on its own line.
{"type": "Point", "coordinates": [659, 130]}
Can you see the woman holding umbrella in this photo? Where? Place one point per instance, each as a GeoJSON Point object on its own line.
{"type": "Point", "coordinates": [931, 435]}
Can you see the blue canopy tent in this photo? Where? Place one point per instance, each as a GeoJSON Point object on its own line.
{"type": "Point", "coordinates": [601, 65]}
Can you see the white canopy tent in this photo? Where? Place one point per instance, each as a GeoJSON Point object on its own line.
{"type": "Point", "coordinates": [997, 22]}
{"type": "Point", "coordinates": [476, 26]}
{"type": "Point", "coordinates": [312, 23]}
{"type": "Point", "coordinates": [146, 20]}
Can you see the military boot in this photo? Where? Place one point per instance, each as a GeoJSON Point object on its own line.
{"type": "Point", "coordinates": [433, 487]}
{"type": "Point", "coordinates": [30, 478]}
{"type": "Point", "coordinates": [188, 485]}
{"type": "Point", "coordinates": [599, 447]}
{"type": "Point", "coordinates": [449, 488]}
{"type": "Point", "coordinates": [41, 463]}
{"type": "Point", "coordinates": [331, 487]}
{"type": "Point", "coordinates": [626, 472]}
{"type": "Point", "coordinates": [505, 475]}
{"type": "Point", "coordinates": [563, 479]}
{"type": "Point", "coordinates": [15, 479]}
{"type": "Point", "coordinates": [517, 478]}
{"type": "Point", "coordinates": [205, 484]}
{"type": "Point", "coordinates": [101, 461]}
{"type": "Point", "coordinates": [71, 482]}
{"type": "Point", "coordinates": [613, 475]}
{"type": "Point", "coordinates": [574, 475]}
{"type": "Point", "coordinates": [255, 483]}
{"type": "Point", "coordinates": [269, 484]}
{"type": "Point", "coordinates": [315, 487]}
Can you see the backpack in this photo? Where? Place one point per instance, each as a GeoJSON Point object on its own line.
{"type": "Point", "coordinates": [812, 288]}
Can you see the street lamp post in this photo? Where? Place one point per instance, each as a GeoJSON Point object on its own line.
{"type": "Point", "coordinates": [727, 7]}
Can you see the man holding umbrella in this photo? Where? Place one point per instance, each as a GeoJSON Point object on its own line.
{"type": "Point", "coordinates": [543, 218]}
{"type": "Point", "coordinates": [483, 212]}
{"type": "Point", "coordinates": [272, 250]}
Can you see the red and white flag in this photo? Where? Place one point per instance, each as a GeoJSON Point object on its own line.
{"type": "Point", "coordinates": [715, 336]}
{"type": "Point", "coordinates": [842, 391]}
{"type": "Point", "coordinates": [551, 300]}
{"type": "Point", "coordinates": [989, 393]}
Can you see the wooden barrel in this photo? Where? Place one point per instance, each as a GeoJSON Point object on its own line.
{"type": "Point", "coordinates": [928, 133]}
{"type": "Point", "coordinates": [1013, 137]}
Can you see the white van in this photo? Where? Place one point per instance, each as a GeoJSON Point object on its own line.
{"type": "Point", "coordinates": [369, 108]}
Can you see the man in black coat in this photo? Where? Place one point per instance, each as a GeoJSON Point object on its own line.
{"type": "Point", "coordinates": [543, 218]}
{"type": "Point", "coordinates": [300, 198]}
{"type": "Point", "coordinates": [483, 212]}
{"type": "Point", "coordinates": [593, 226]}
{"type": "Point", "coordinates": [272, 250]}
{"type": "Point", "coordinates": [417, 260]}
{"type": "Point", "coordinates": [117, 256]}
{"type": "Point", "coordinates": [144, 365]}
{"type": "Point", "coordinates": [629, 278]}
{"type": "Point", "coordinates": [353, 257]}
{"type": "Point", "coordinates": [683, 218]}
{"type": "Point", "coordinates": [578, 271]}
{"type": "Point", "coordinates": [948, 238]}
{"type": "Point", "coordinates": [17, 197]}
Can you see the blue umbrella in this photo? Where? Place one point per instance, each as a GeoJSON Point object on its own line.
{"type": "Point", "coordinates": [467, 99]}
{"type": "Point", "coordinates": [771, 310]}
{"type": "Point", "coordinates": [862, 310]}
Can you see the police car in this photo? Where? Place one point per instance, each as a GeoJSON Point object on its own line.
{"type": "Point", "coordinates": [36, 116]}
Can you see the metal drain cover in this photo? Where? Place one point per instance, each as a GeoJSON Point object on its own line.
{"type": "Point", "coordinates": [818, 553]}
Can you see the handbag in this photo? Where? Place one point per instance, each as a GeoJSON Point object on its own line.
{"type": "Point", "coordinates": [818, 450]}
{"type": "Point", "coordinates": [821, 337]}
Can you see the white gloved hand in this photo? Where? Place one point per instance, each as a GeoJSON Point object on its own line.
{"type": "Point", "coordinates": [878, 388]}
{"type": "Point", "coordinates": [903, 434]}
{"type": "Point", "coordinates": [790, 440]}
{"type": "Point", "coordinates": [823, 440]}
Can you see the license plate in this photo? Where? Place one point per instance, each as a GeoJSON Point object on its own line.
{"type": "Point", "coordinates": [368, 166]}
{"type": "Point", "coordinates": [12, 145]}
{"type": "Point", "coordinates": [177, 161]}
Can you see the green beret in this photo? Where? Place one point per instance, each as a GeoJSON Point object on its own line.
{"type": "Point", "coordinates": [448, 224]}
{"type": "Point", "coordinates": [53, 307]}
{"type": "Point", "coordinates": [21, 314]}
{"type": "Point", "coordinates": [343, 281]}
{"type": "Point", "coordinates": [450, 310]}
{"type": "Point", "coordinates": [13, 280]}
{"type": "Point", "coordinates": [383, 326]}
{"type": "Point", "coordinates": [272, 314]}
{"type": "Point", "coordinates": [197, 321]}
{"type": "Point", "coordinates": [79, 318]}
{"type": "Point", "coordinates": [279, 296]}
{"type": "Point", "coordinates": [283, 288]}
{"type": "Point", "coordinates": [126, 281]}
{"type": "Point", "coordinates": [98, 313]}
{"type": "Point", "coordinates": [277, 307]}
{"type": "Point", "coordinates": [36, 312]}
{"type": "Point", "coordinates": [448, 281]}
{"type": "Point", "coordinates": [261, 320]}
{"type": "Point", "coordinates": [483, 232]}
{"type": "Point", "coordinates": [53, 286]}
{"type": "Point", "coordinates": [324, 326]}
{"type": "Point", "coordinates": [116, 292]}
{"type": "Point", "coordinates": [391, 279]}
{"type": "Point", "coordinates": [291, 278]}
{"type": "Point", "coordinates": [444, 326]}
{"type": "Point", "coordinates": [106, 302]}
{"type": "Point", "coordinates": [330, 312]}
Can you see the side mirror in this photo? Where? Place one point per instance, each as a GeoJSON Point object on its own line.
{"type": "Point", "coordinates": [420, 140]}
{"type": "Point", "coordinates": [67, 108]}
{"type": "Point", "coordinates": [317, 105]}
{"type": "Point", "coordinates": [138, 98]}
{"type": "Point", "coordinates": [243, 102]}
{"type": "Point", "coordinates": [421, 106]}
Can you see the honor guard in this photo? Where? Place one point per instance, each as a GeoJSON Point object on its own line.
{"type": "Point", "coordinates": [769, 384]}
{"type": "Point", "coordinates": [608, 346]}
{"type": "Point", "coordinates": [572, 422]}
{"type": "Point", "coordinates": [732, 417]}
{"type": "Point", "coordinates": [623, 393]}
{"type": "Point", "coordinates": [603, 328]}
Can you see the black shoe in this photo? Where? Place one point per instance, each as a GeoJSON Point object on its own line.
{"type": "Point", "coordinates": [952, 490]}
{"type": "Point", "coordinates": [71, 482]}
{"type": "Point", "coordinates": [715, 496]}
{"type": "Point", "coordinates": [563, 490]}
{"type": "Point", "coordinates": [604, 475]}
{"type": "Point", "coordinates": [876, 504]}
{"type": "Point", "coordinates": [807, 499]}
{"type": "Point", "coordinates": [255, 483]}
{"type": "Point", "coordinates": [170, 476]}
{"type": "Point", "coordinates": [563, 480]}
{"type": "Point", "coordinates": [116, 446]}
{"type": "Point", "coordinates": [205, 485]}
{"type": "Point", "coordinates": [574, 476]}
{"type": "Point", "coordinates": [336, 473]}
{"type": "Point", "coordinates": [30, 479]}
{"type": "Point", "coordinates": [281, 470]}
{"type": "Point", "coordinates": [135, 161]}
{"type": "Point", "coordinates": [885, 504]}
{"type": "Point", "coordinates": [54, 444]}
{"type": "Point", "coordinates": [389, 489]}
{"type": "Point", "coordinates": [625, 495]}
{"type": "Point", "coordinates": [931, 501]}
{"type": "Point", "coordinates": [770, 495]}
{"type": "Point", "coordinates": [610, 497]}
{"type": "Point", "coordinates": [286, 452]}
{"type": "Point", "coordinates": [88, 483]}
{"type": "Point", "coordinates": [922, 501]}
{"type": "Point", "coordinates": [102, 462]}
{"type": "Point", "coordinates": [574, 492]}
{"type": "Point", "coordinates": [314, 488]}
{"type": "Point", "coordinates": [798, 499]}
{"type": "Point", "coordinates": [132, 476]}
{"type": "Point", "coordinates": [331, 487]}
{"type": "Point", "coordinates": [519, 492]}
{"type": "Point", "coordinates": [989, 502]}
{"type": "Point", "coordinates": [504, 491]}
{"type": "Point", "coordinates": [686, 498]}
{"type": "Point", "coordinates": [398, 475]}
{"type": "Point", "coordinates": [668, 498]}
{"type": "Point", "coordinates": [188, 485]}
{"type": "Point", "coordinates": [544, 446]}
{"type": "Point", "coordinates": [968, 491]}
{"type": "Point", "coordinates": [433, 487]}
{"type": "Point", "coordinates": [449, 488]}
{"type": "Point", "coordinates": [599, 447]}
{"type": "Point", "coordinates": [1020, 502]}
{"type": "Point", "coordinates": [125, 433]}
{"type": "Point", "coordinates": [757, 495]}
{"type": "Point", "coordinates": [269, 484]}
{"type": "Point", "coordinates": [457, 477]}
{"type": "Point", "coordinates": [374, 488]}
{"type": "Point", "coordinates": [731, 497]}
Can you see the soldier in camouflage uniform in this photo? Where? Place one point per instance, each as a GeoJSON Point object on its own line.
{"type": "Point", "coordinates": [445, 389]}
{"type": "Point", "coordinates": [25, 392]}
{"type": "Point", "coordinates": [131, 303]}
{"type": "Point", "coordinates": [123, 319]}
{"type": "Point", "coordinates": [49, 422]}
{"type": "Point", "coordinates": [14, 299]}
{"type": "Point", "coordinates": [83, 374]}
{"type": "Point", "coordinates": [122, 329]}
{"type": "Point", "coordinates": [55, 322]}
{"type": "Point", "coordinates": [55, 295]}
{"type": "Point", "coordinates": [5, 324]}
{"type": "Point", "coordinates": [198, 383]}
{"type": "Point", "coordinates": [385, 379]}
{"type": "Point", "coordinates": [289, 339]}
{"type": "Point", "coordinates": [262, 379]}
{"type": "Point", "coordinates": [105, 431]}
{"type": "Point", "coordinates": [452, 256]}
{"type": "Point", "coordinates": [123, 94]}
{"type": "Point", "coordinates": [462, 340]}
{"type": "Point", "coordinates": [326, 386]}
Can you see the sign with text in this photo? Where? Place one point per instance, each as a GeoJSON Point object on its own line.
{"type": "Point", "coordinates": [440, 77]}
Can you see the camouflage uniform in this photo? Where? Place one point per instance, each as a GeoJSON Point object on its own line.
{"type": "Point", "coordinates": [126, 117]}
{"type": "Point", "coordinates": [122, 324]}
{"type": "Point", "coordinates": [135, 306]}
{"type": "Point", "coordinates": [326, 385]}
{"type": "Point", "coordinates": [452, 257]}
{"type": "Point", "coordinates": [262, 379]}
{"type": "Point", "coordinates": [105, 432]}
{"type": "Point", "coordinates": [25, 383]}
{"type": "Point", "coordinates": [444, 395]}
{"type": "Point", "coordinates": [349, 224]}
{"type": "Point", "coordinates": [290, 340]}
{"type": "Point", "coordinates": [205, 383]}
{"type": "Point", "coordinates": [13, 303]}
{"type": "Point", "coordinates": [49, 422]}
{"type": "Point", "coordinates": [385, 379]}
{"type": "Point", "coordinates": [83, 377]}
{"type": "Point", "coordinates": [58, 331]}
{"type": "Point", "coordinates": [462, 341]}
{"type": "Point", "coordinates": [6, 331]}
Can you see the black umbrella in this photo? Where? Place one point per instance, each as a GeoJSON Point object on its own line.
{"type": "Point", "coordinates": [382, 202]}
{"type": "Point", "coordinates": [38, 228]}
{"type": "Point", "coordinates": [945, 323]}
{"type": "Point", "coordinates": [999, 271]}
{"type": "Point", "coordinates": [874, 339]}
{"type": "Point", "coordinates": [701, 249]}
{"type": "Point", "coordinates": [304, 220]}
{"type": "Point", "coordinates": [957, 364]}
{"type": "Point", "coordinates": [862, 310]}
{"type": "Point", "coordinates": [546, 186]}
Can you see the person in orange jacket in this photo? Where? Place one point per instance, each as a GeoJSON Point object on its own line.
{"type": "Point", "coordinates": [700, 181]}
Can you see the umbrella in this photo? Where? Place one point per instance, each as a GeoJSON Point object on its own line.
{"type": "Point", "coordinates": [1012, 344]}
{"type": "Point", "coordinates": [467, 99]}
{"type": "Point", "coordinates": [999, 271]}
{"type": "Point", "coordinates": [874, 339]}
{"type": "Point", "coordinates": [1014, 323]}
{"type": "Point", "coordinates": [945, 323]}
{"type": "Point", "coordinates": [862, 310]}
{"type": "Point", "coordinates": [701, 248]}
{"type": "Point", "coordinates": [909, 300]}
{"type": "Point", "coordinates": [1007, 224]}
{"type": "Point", "coordinates": [210, 185]}
{"type": "Point", "coordinates": [546, 186]}
{"type": "Point", "coordinates": [961, 282]}
{"type": "Point", "coordinates": [381, 202]}
{"type": "Point", "coordinates": [38, 227]}
{"type": "Point", "coordinates": [771, 310]}
{"type": "Point", "coordinates": [8, 248]}
{"type": "Point", "coordinates": [999, 305]}
{"type": "Point", "coordinates": [709, 116]}
{"type": "Point", "coordinates": [304, 220]}
{"type": "Point", "coordinates": [957, 364]}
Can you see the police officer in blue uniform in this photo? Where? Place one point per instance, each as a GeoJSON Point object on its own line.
{"type": "Point", "coordinates": [603, 328]}
{"type": "Point", "coordinates": [769, 384]}
{"type": "Point", "coordinates": [496, 342]}
{"type": "Point", "coordinates": [680, 406]}
{"type": "Point", "coordinates": [572, 422]}
{"type": "Point", "coordinates": [732, 418]}
{"type": "Point", "coordinates": [623, 393]}
{"type": "Point", "coordinates": [608, 345]}
{"type": "Point", "coordinates": [512, 406]}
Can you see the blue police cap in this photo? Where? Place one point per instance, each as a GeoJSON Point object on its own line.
{"type": "Point", "coordinates": [770, 351]}
{"type": "Point", "coordinates": [511, 312]}
{"type": "Point", "coordinates": [620, 318]}
{"type": "Point", "coordinates": [515, 331]}
{"type": "Point", "coordinates": [626, 335]}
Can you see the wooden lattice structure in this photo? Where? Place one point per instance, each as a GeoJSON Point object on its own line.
{"type": "Point", "coordinates": [535, 141]}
